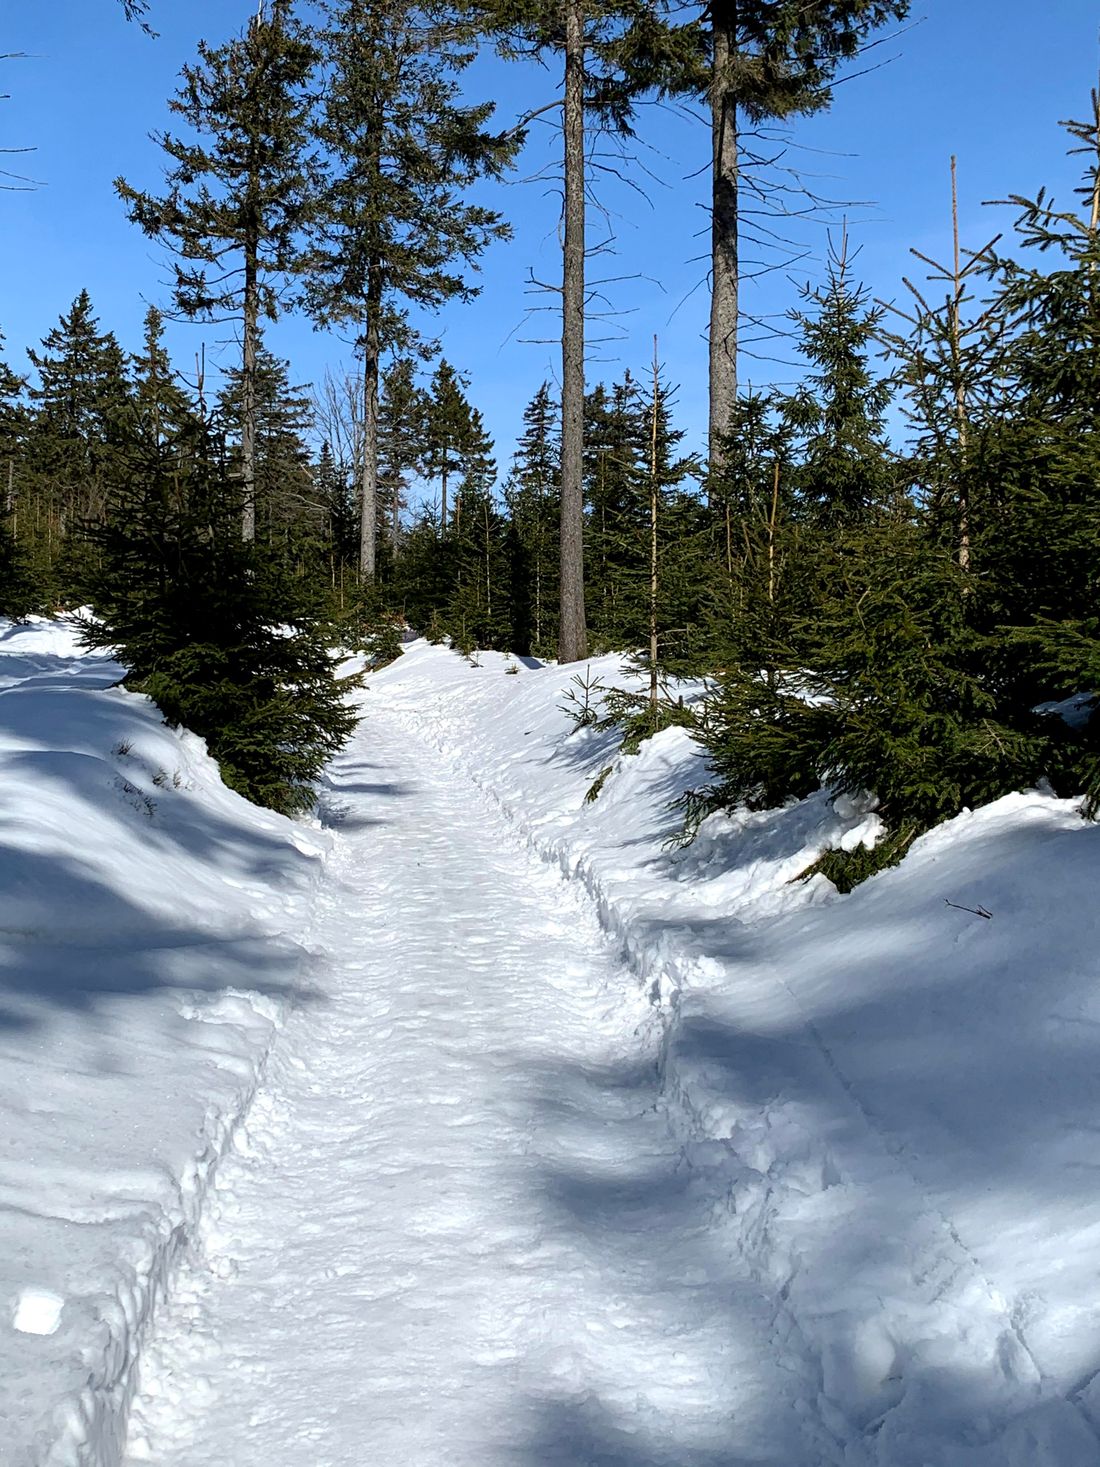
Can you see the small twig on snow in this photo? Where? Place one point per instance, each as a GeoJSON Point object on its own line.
{"type": "Point", "coordinates": [977, 911]}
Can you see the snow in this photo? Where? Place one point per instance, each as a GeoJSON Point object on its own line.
{"type": "Point", "coordinates": [485, 1126]}
{"type": "Point", "coordinates": [905, 1095]}
{"type": "Point", "coordinates": [150, 944]}
{"type": "Point", "coordinates": [461, 1229]}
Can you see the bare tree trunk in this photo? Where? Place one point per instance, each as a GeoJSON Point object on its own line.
{"type": "Point", "coordinates": [654, 505]}
{"type": "Point", "coordinates": [960, 385]}
{"type": "Point", "coordinates": [772, 520]}
{"type": "Point", "coordinates": [248, 392]}
{"type": "Point", "coordinates": [488, 565]}
{"type": "Point", "coordinates": [443, 495]}
{"type": "Point", "coordinates": [572, 635]}
{"type": "Point", "coordinates": [368, 503]}
{"type": "Point", "coordinates": [724, 231]}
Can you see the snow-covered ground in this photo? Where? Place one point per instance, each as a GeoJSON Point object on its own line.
{"type": "Point", "coordinates": [151, 929]}
{"type": "Point", "coordinates": [901, 1100]}
{"type": "Point", "coordinates": [626, 1156]}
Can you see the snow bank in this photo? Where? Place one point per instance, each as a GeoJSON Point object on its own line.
{"type": "Point", "coordinates": [146, 959]}
{"type": "Point", "coordinates": [899, 1101]}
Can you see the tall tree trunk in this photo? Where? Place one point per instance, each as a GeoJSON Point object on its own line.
{"type": "Point", "coordinates": [724, 236]}
{"type": "Point", "coordinates": [654, 507]}
{"type": "Point", "coordinates": [443, 495]}
{"type": "Point", "coordinates": [488, 564]}
{"type": "Point", "coordinates": [572, 636]}
{"type": "Point", "coordinates": [248, 391]}
{"type": "Point", "coordinates": [955, 319]}
{"type": "Point", "coordinates": [368, 504]}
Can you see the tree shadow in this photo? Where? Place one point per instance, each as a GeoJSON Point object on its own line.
{"type": "Point", "coordinates": [879, 1138]}
{"type": "Point", "coordinates": [71, 939]}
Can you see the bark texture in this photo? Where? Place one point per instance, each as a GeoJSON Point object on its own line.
{"type": "Point", "coordinates": [368, 479]}
{"type": "Point", "coordinates": [572, 636]}
{"type": "Point", "coordinates": [724, 235]}
{"type": "Point", "coordinates": [248, 393]}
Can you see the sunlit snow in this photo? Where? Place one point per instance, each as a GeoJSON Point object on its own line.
{"type": "Point", "coordinates": [481, 1126]}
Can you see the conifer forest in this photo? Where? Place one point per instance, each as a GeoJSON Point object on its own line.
{"type": "Point", "coordinates": [883, 572]}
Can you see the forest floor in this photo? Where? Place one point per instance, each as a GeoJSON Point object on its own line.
{"type": "Point", "coordinates": [478, 1125]}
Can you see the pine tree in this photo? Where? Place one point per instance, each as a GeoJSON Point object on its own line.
{"type": "Point", "coordinates": [531, 494]}
{"type": "Point", "coordinates": [334, 491]}
{"type": "Point", "coordinates": [425, 575]}
{"type": "Point", "coordinates": [402, 441]}
{"type": "Point", "coordinates": [211, 628]}
{"type": "Point", "coordinates": [287, 511]}
{"type": "Point", "coordinates": [240, 194]}
{"type": "Point", "coordinates": [448, 434]}
{"type": "Point", "coordinates": [847, 472]}
{"type": "Point", "coordinates": [615, 443]}
{"type": "Point", "coordinates": [478, 612]}
{"type": "Point", "coordinates": [18, 593]}
{"type": "Point", "coordinates": [1041, 457]}
{"type": "Point", "coordinates": [397, 229]}
{"type": "Point", "coordinates": [14, 426]}
{"type": "Point", "coordinates": [162, 406]}
{"type": "Point", "coordinates": [79, 422]}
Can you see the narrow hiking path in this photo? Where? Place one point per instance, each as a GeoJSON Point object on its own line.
{"type": "Point", "coordinates": [459, 1226]}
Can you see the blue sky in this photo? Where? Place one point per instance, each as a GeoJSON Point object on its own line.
{"type": "Point", "coordinates": [985, 79]}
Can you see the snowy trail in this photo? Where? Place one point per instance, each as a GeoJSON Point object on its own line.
{"type": "Point", "coordinates": [460, 1226]}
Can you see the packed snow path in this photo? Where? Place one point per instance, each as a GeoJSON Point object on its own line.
{"type": "Point", "coordinates": [459, 1226]}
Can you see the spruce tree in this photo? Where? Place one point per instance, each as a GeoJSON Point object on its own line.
{"type": "Point", "coordinates": [664, 545]}
{"type": "Point", "coordinates": [531, 494]}
{"type": "Point", "coordinates": [162, 406]}
{"type": "Point", "coordinates": [847, 471]}
{"type": "Point", "coordinates": [334, 491]}
{"type": "Point", "coordinates": [14, 425]}
{"type": "Point", "coordinates": [615, 525]}
{"type": "Point", "coordinates": [1041, 457]}
{"type": "Point", "coordinates": [397, 229]}
{"type": "Point", "coordinates": [79, 423]}
{"type": "Point", "coordinates": [287, 511]}
{"type": "Point", "coordinates": [760, 734]}
{"type": "Point", "coordinates": [18, 592]}
{"type": "Point", "coordinates": [425, 576]}
{"type": "Point", "coordinates": [402, 443]}
{"type": "Point", "coordinates": [239, 193]}
{"type": "Point", "coordinates": [678, 544]}
{"type": "Point", "coordinates": [211, 627]}
{"type": "Point", "coordinates": [478, 611]}
{"type": "Point", "coordinates": [448, 435]}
